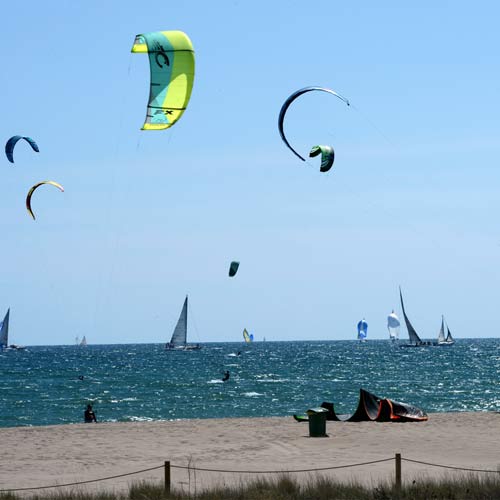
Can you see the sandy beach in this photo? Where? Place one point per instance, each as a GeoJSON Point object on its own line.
{"type": "Point", "coordinates": [50, 455]}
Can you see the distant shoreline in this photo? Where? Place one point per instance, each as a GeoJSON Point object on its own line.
{"type": "Point", "coordinates": [138, 422]}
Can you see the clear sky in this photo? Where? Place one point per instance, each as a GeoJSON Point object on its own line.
{"type": "Point", "coordinates": [148, 217]}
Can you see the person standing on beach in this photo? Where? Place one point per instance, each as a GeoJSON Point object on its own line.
{"type": "Point", "coordinates": [89, 415]}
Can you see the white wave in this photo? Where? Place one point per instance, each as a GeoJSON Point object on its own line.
{"type": "Point", "coordinates": [140, 419]}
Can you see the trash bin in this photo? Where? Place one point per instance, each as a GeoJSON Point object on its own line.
{"type": "Point", "coordinates": [317, 422]}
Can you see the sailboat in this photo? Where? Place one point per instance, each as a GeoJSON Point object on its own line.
{"type": "Point", "coordinates": [442, 340]}
{"type": "Point", "coordinates": [4, 335]}
{"type": "Point", "coordinates": [248, 338]}
{"type": "Point", "coordinates": [179, 337]}
{"type": "Point", "coordinates": [362, 330]}
{"type": "Point", "coordinates": [83, 343]}
{"type": "Point", "coordinates": [415, 340]}
{"type": "Point", "coordinates": [393, 326]}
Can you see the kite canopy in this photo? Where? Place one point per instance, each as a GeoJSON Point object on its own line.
{"type": "Point", "coordinates": [233, 268]}
{"type": "Point", "coordinates": [171, 62]}
{"type": "Point", "coordinates": [372, 408]}
{"type": "Point", "coordinates": [327, 156]}
{"type": "Point", "coordinates": [289, 101]}
{"type": "Point", "coordinates": [11, 143]}
{"type": "Point", "coordinates": [32, 190]}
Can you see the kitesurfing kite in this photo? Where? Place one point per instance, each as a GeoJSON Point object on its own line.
{"type": "Point", "coordinates": [327, 153]}
{"type": "Point", "coordinates": [171, 63]}
{"type": "Point", "coordinates": [327, 156]}
{"type": "Point", "coordinates": [11, 143]}
{"type": "Point", "coordinates": [233, 268]}
{"type": "Point", "coordinates": [31, 191]}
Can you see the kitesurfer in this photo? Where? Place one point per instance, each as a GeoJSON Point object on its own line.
{"type": "Point", "coordinates": [226, 376]}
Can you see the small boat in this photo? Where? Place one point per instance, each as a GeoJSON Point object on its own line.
{"type": "Point", "coordinates": [83, 343]}
{"type": "Point", "coordinates": [393, 325]}
{"type": "Point", "coordinates": [414, 339]}
{"type": "Point", "coordinates": [4, 336]}
{"type": "Point", "coordinates": [442, 340]}
{"type": "Point", "coordinates": [178, 341]}
{"type": "Point", "coordinates": [362, 330]}
{"type": "Point", "coordinates": [248, 338]}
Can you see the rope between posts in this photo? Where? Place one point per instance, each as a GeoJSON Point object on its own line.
{"type": "Point", "coordinates": [448, 466]}
{"type": "Point", "coordinates": [280, 471]}
{"type": "Point", "coordinates": [318, 469]}
{"type": "Point", "coordinates": [197, 469]}
{"type": "Point", "coordinates": [83, 482]}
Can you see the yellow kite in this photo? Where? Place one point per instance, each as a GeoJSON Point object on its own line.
{"type": "Point", "coordinates": [171, 62]}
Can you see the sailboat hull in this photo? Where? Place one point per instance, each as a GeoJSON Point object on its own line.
{"type": "Point", "coordinates": [194, 347]}
{"type": "Point", "coordinates": [422, 344]}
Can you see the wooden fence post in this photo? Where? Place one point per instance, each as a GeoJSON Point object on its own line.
{"type": "Point", "coordinates": [167, 477]}
{"type": "Point", "coordinates": [398, 472]}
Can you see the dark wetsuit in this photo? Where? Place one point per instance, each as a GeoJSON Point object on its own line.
{"type": "Point", "coordinates": [225, 377]}
{"type": "Point", "coordinates": [89, 416]}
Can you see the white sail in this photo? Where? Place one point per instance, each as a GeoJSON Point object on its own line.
{"type": "Point", "coordinates": [4, 331]}
{"type": "Point", "coordinates": [84, 341]}
{"type": "Point", "coordinates": [441, 338]}
{"type": "Point", "coordinates": [393, 325]}
{"type": "Point", "coordinates": [179, 337]}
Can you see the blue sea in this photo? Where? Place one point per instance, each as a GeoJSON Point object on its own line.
{"type": "Point", "coordinates": [141, 382]}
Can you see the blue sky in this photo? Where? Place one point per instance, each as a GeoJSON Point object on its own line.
{"type": "Point", "coordinates": [146, 217]}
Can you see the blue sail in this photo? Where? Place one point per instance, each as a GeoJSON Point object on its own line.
{"type": "Point", "coordinates": [362, 329]}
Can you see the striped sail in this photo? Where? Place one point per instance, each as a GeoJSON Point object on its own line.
{"type": "Point", "coordinates": [248, 338]}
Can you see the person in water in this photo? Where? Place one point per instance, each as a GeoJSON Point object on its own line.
{"type": "Point", "coordinates": [226, 376]}
{"type": "Point", "coordinates": [89, 415]}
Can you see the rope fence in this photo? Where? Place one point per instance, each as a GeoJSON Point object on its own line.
{"type": "Point", "coordinates": [167, 466]}
{"type": "Point", "coordinates": [280, 471]}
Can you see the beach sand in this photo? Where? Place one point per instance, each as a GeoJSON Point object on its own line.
{"type": "Point", "coordinates": [49, 455]}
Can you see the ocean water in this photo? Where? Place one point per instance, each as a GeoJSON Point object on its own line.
{"type": "Point", "coordinates": [140, 382]}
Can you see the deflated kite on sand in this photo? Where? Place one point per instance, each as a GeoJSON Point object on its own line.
{"type": "Point", "coordinates": [373, 408]}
